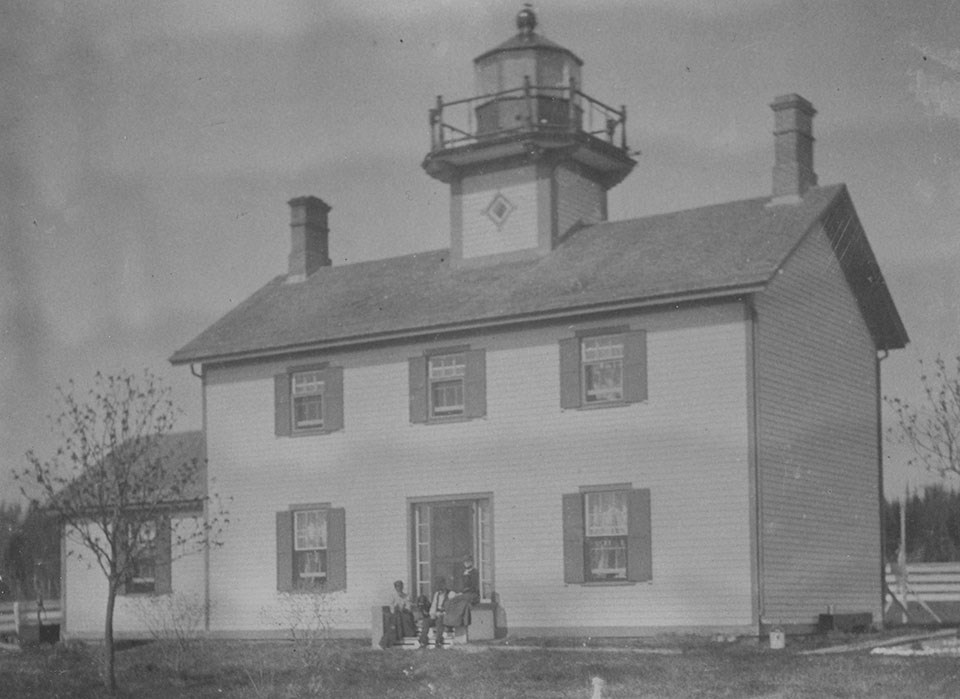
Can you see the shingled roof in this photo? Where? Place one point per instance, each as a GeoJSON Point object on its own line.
{"type": "Point", "coordinates": [709, 252]}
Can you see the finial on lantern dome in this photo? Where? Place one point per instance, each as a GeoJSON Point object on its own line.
{"type": "Point", "coordinates": [526, 20]}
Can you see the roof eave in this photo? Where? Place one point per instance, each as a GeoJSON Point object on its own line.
{"type": "Point", "coordinates": [500, 322]}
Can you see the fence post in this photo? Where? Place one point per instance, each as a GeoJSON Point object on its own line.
{"type": "Point", "coordinates": [16, 618]}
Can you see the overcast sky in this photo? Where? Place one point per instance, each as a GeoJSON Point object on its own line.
{"type": "Point", "coordinates": [149, 149]}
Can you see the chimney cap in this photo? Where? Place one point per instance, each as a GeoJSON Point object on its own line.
{"type": "Point", "coordinates": [793, 101]}
{"type": "Point", "coordinates": [309, 201]}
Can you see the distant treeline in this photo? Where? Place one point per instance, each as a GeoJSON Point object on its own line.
{"type": "Point", "coordinates": [29, 553]}
{"type": "Point", "coordinates": [933, 526]}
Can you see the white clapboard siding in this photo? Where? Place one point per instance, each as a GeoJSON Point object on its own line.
{"type": "Point", "coordinates": [688, 444]}
{"type": "Point", "coordinates": [481, 236]}
{"type": "Point", "coordinates": [580, 201]}
{"type": "Point", "coordinates": [818, 431]}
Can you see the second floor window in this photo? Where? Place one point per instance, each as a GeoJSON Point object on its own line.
{"type": "Point", "coordinates": [448, 385]}
{"type": "Point", "coordinates": [307, 392]}
{"type": "Point", "coordinates": [446, 374]}
{"type": "Point", "coordinates": [602, 369]}
{"type": "Point", "coordinates": [308, 401]}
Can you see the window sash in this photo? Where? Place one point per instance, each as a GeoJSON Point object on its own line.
{"type": "Point", "coordinates": [308, 412]}
{"type": "Point", "coordinates": [311, 564]}
{"type": "Point", "coordinates": [307, 382]}
{"type": "Point", "coordinates": [309, 530]}
{"type": "Point", "coordinates": [606, 557]}
{"type": "Point", "coordinates": [605, 513]}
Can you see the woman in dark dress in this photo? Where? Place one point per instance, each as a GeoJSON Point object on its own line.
{"type": "Point", "coordinates": [458, 608]}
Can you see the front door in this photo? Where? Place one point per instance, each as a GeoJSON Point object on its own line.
{"type": "Point", "coordinates": [447, 532]}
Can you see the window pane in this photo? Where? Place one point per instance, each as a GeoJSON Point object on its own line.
{"type": "Point", "coordinates": [603, 381]}
{"type": "Point", "coordinates": [447, 397]}
{"type": "Point", "coordinates": [307, 382]}
{"type": "Point", "coordinates": [308, 411]}
{"type": "Point", "coordinates": [607, 558]}
{"type": "Point", "coordinates": [311, 564]}
{"type": "Point", "coordinates": [310, 530]}
{"type": "Point", "coordinates": [599, 348]}
{"type": "Point", "coordinates": [447, 366]}
{"type": "Point", "coordinates": [606, 513]}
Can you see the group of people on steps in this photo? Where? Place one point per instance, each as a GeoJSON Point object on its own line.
{"type": "Point", "coordinates": [444, 610]}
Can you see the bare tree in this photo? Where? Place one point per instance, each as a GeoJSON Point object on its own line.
{"type": "Point", "coordinates": [931, 427]}
{"type": "Point", "coordinates": [115, 475]}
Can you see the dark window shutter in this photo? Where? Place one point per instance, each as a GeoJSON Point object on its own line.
{"type": "Point", "coordinates": [418, 389]}
{"type": "Point", "coordinates": [163, 583]}
{"type": "Point", "coordinates": [635, 366]}
{"type": "Point", "coordinates": [475, 384]}
{"type": "Point", "coordinates": [281, 405]}
{"type": "Point", "coordinates": [573, 538]}
{"type": "Point", "coordinates": [336, 549]}
{"type": "Point", "coordinates": [639, 536]}
{"type": "Point", "coordinates": [333, 399]}
{"type": "Point", "coordinates": [570, 372]}
{"type": "Point", "coordinates": [285, 551]}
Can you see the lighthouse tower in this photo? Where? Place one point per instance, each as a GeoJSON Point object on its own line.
{"type": "Point", "coordinates": [530, 157]}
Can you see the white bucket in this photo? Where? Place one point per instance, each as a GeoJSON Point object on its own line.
{"type": "Point", "coordinates": [777, 639]}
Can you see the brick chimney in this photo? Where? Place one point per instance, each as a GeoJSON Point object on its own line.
{"type": "Point", "coordinates": [309, 232]}
{"type": "Point", "coordinates": [793, 147]}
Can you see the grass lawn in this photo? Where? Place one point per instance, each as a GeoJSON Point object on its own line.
{"type": "Point", "coordinates": [694, 668]}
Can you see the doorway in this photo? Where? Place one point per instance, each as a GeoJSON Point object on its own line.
{"type": "Point", "coordinates": [445, 533]}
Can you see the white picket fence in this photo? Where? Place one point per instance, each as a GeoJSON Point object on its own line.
{"type": "Point", "coordinates": [15, 615]}
{"type": "Point", "coordinates": [923, 583]}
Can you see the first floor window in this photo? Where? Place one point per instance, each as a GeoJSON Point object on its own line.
{"type": "Point", "coordinates": [311, 548]}
{"type": "Point", "coordinates": [143, 566]}
{"type": "Point", "coordinates": [310, 545]}
{"type": "Point", "coordinates": [607, 535]}
{"type": "Point", "coordinates": [148, 568]}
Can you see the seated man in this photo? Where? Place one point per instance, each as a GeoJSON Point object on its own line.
{"type": "Point", "coordinates": [435, 619]}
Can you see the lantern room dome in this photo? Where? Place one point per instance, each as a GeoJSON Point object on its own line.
{"type": "Point", "coordinates": [527, 54]}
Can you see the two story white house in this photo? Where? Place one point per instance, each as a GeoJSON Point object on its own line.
{"type": "Point", "coordinates": [669, 423]}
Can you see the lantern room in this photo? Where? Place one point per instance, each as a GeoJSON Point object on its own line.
{"type": "Point", "coordinates": [530, 157]}
{"type": "Point", "coordinates": [527, 70]}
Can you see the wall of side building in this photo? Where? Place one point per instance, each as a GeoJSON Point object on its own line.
{"type": "Point", "coordinates": [84, 596]}
{"type": "Point", "coordinates": [688, 443]}
{"type": "Point", "coordinates": [818, 446]}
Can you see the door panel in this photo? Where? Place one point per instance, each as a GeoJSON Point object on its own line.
{"type": "Point", "coordinates": [452, 540]}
